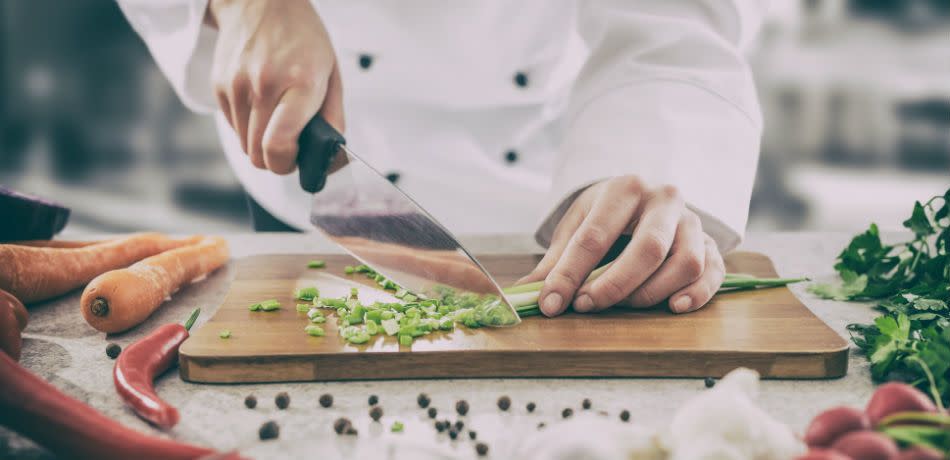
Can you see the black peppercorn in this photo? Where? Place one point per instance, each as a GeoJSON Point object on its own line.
{"type": "Point", "coordinates": [459, 425]}
{"type": "Point", "coordinates": [282, 400]}
{"type": "Point", "coordinates": [710, 382]}
{"type": "Point", "coordinates": [567, 412]}
{"type": "Point", "coordinates": [373, 400]}
{"type": "Point", "coordinates": [504, 403]}
{"type": "Point", "coordinates": [113, 350]}
{"type": "Point", "coordinates": [433, 412]}
{"type": "Point", "coordinates": [482, 449]}
{"type": "Point", "coordinates": [625, 415]}
{"type": "Point", "coordinates": [585, 403]}
{"type": "Point", "coordinates": [461, 407]}
{"type": "Point", "coordinates": [351, 431]}
{"type": "Point", "coordinates": [531, 407]}
{"type": "Point", "coordinates": [341, 424]}
{"type": "Point", "coordinates": [439, 426]}
{"type": "Point", "coordinates": [376, 413]}
{"type": "Point", "coordinates": [250, 402]}
{"type": "Point", "coordinates": [472, 435]}
{"type": "Point", "coordinates": [541, 425]}
{"type": "Point", "coordinates": [326, 400]}
{"type": "Point", "coordinates": [453, 434]}
{"type": "Point", "coordinates": [269, 430]}
{"type": "Point", "coordinates": [423, 400]}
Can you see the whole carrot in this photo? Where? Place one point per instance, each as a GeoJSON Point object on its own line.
{"type": "Point", "coordinates": [33, 274]}
{"type": "Point", "coordinates": [64, 244]}
{"type": "Point", "coordinates": [121, 299]}
{"type": "Point", "coordinates": [141, 362]}
{"type": "Point", "coordinates": [70, 429]}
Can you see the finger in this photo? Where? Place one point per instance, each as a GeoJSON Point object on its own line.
{"type": "Point", "coordinates": [225, 106]}
{"type": "Point", "coordinates": [294, 110]}
{"type": "Point", "coordinates": [566, 227]}
{"type": "Point", "coordinates": [332, 108]}
{"type": "Point", "coordinates": [698, 294]}
{"type": "Point", "coordinates": [239, 96]}
{"type": "Point", "coordinates": [610, 214]}
{"type": "Point", "coordinates": [265, 91]}
{"type": "Point", "coordinates": [684, 266]}
{"type": "Point", "coordinates": [648, 248]}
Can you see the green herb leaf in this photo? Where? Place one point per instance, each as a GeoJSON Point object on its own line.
{"type": "Point", "coordinates": [316, 264]}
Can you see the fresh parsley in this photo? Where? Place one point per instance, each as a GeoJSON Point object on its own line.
{"type": "Point", "coordinates": [910, 281]}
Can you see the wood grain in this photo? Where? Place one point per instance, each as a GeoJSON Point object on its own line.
{"type": "Point", "coordinates": [767, 330]}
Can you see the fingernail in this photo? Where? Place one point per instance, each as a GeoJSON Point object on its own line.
{"type": "Point", "coordinates": [681, 304]}
{"type": "Point", "coordinates": [583, 304]}
{"type": "Point", "coordinates": [552, 304]}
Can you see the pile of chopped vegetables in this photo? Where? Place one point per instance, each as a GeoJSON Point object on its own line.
{"type": "Point", "coordinates": [910, 281]}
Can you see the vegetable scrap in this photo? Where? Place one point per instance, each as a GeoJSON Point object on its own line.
{"type": "Point", "coordinates": [317, 264]}
{"type": "Point", "coordinates": [397, 427]}
{"type": "Point", "coordinates": [314, 330]}
{"type": "Point", "coordinates": [910, 281]}
{"type": "Point", "coordinates": [224, 334]}
{"type": "Point", "coordinates": [250, 401]}
{"type": "Point", "coordinates": [113, 350]}
{"type": "Point", "coordinates": [282, 400]}
{"type": "Point", "coordinates": [269, 430]}
{"type": "Point", "coordinates": [307, 293]}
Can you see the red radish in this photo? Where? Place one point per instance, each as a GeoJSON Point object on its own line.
{"type": "Point", "coordinates": [823, 454]}
{"type": "Point", "coordinates": [831, 424]}
{"type": "Point", "coordinates": [919, 453]}
{"type": "Point", "coordinates": [866, 445]}
{"type": "Point", "coordinates": [897, 397]}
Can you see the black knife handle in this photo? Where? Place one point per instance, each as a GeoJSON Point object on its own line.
{"type": "Point", "coordinates": [318, 145]}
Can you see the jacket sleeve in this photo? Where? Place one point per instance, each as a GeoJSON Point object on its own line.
{"type": "Point", "coordinates": [666, 95]}
{"type": "Point", "coordinates": [175, 34]}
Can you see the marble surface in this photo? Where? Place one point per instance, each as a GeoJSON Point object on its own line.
{"type": "Point", "coordinates": [61, 348]}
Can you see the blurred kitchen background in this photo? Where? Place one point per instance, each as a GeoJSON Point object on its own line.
{"type": "Point", "coordinates": [856, 98]}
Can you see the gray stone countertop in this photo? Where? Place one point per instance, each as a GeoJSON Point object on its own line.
{"type": "Point", "coordinates": [60, 347]}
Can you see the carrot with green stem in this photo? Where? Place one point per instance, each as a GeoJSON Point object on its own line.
{"type": "Point", "coordinates": [121, 299]}
{"type": "Point", "coordinates": [33, 274]}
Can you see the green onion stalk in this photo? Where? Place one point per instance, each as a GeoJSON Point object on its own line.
{"type": "Point", "coordinates": [524, 297]}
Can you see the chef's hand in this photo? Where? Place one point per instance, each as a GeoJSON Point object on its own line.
{"type": "Point", "coordinates": [274, 68]}
{"type": "Point", "coordinates": [668, 257]}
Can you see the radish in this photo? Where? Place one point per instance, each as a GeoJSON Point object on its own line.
{"type": "Point", "coordinates": [831, 424]}
{"type": "Point", "coordinates": [897, 397]}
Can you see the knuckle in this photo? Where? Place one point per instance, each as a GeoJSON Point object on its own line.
{"type": "Point", "coordinates": [593, 240]}
{"type": "Point", "coordinates": [607, 291]}
{"type": "Point", "coordinates": [692, 266]}
{"type": "Point", "coordinates": [645, 297]}
{"type": "Point", "coordinates": [562, 279]}
{"type": "Point", "coordinates": [632, 185]}
{"type": "Point", "coordinates": [669, 192]}
{"type": "Point", "coordinates": [654, 247]}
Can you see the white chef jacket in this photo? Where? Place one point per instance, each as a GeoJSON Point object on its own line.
{"type": "Point", "coordinates": [495, 113]}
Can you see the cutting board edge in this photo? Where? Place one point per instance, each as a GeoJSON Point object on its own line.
{"type": "Point", "coordinates": [583, 364]}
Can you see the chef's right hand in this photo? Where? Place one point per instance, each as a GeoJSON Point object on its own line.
{"type": "Point", "coordinates": [274, 69]}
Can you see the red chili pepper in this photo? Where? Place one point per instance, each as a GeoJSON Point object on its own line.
{"type": "Point", "coordinates": [70, 429]}
{"type": "Point", "coordinates": [141, 362]}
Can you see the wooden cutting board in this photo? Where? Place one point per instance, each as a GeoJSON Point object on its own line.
{"type": "Point", "coordinates": [768, 330]}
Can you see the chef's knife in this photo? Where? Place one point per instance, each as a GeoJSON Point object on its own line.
{"type": "Point", "coordinates": [374, 221]}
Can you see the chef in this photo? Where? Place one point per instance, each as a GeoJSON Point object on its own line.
{"type": "Point", "coordinates": [579, 122]}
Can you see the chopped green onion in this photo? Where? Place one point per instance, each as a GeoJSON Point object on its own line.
{"type": "Point", "coordinates": [372, 328]}
{"type": "Point", "coordinates": [333, 303]}
{"type": "Point", "coordinates": [348, 270]}
{"type": "Point", "coordinates": [270, 305]}
{"type": "Point", "coordinates": [397, 427]}
{"type": "Point", "coordinates": [225, 334]}
{"type": "Point", "coordinates": [405, 340]}
{"type": "Point", "coordinates": [314, 330]}
{"type": "Point", "coordinates": [254, 307]}
{"type": "Point", "coordinates": [316, 264]}
{"type": "Point", "coordinates": [307, 293]}
{"type": "Point", "coordinates": [390, 326]}
{"type": "Point", "coordinates": [304, 307]}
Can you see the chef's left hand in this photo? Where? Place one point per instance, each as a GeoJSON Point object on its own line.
{"type": "Point", "coordinates": [669, 257]}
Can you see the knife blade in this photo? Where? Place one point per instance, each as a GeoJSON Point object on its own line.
{"type": "Point", "coordinates": [377, 223]}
